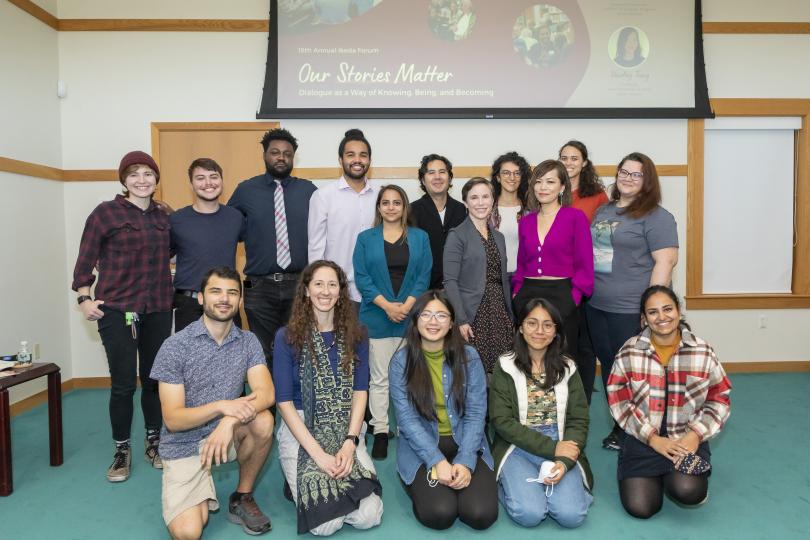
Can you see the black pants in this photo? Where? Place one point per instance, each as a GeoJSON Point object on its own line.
{"type": "Point", "coordinates": [188, 309]}
{"type": "Point", "coordinates": [586, 357]}
{"type": "Point", "coordinates": [128, 356]}
{"type": "Point", "coordinates": [558, 292]}
{"type": "Point", "coordinates": [267, 306]}
{"type": "Point", "coordinates": [438, 507]}
{"type": "Point", "coordinates": [609, 331]}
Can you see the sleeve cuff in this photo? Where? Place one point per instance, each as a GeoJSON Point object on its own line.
{"type": "Point", "coordinates": [469, 460]}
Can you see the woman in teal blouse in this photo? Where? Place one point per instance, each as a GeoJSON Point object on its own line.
{"type": "Point", "coordinates": [392, 264]}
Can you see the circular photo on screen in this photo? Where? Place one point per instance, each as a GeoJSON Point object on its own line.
{"type": "Point", "coordinates": [628, 47]}
{"type": "Point", "coordinates": [301, 14]}
{"type": "Point", "coordinates": [451, 20]}
{"type": "Point", "coordinates": [542, 35]}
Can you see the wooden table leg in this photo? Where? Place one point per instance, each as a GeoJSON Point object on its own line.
{"type": "Point", "coordinates": [6, 485]}
{"type": "Point", "coordinates": [55, 417]}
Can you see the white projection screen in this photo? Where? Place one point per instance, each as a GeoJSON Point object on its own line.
{"type": "Point", "coordinates": [485, 59]}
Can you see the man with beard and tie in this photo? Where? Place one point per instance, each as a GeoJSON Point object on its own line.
{"type": "Point", "coordinates": [203, 235]}
{"type": "Point", "coordinates": [343, 209]}
{"type": "Point", "coordinates": [276, 210]}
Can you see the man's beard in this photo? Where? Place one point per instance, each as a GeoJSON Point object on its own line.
{"type": "Point", "coordinates": [347, 172]}
{"type": "Point", "coordinates": [212, 314]}
{"type": "Point", "coordinates": [276, 173]}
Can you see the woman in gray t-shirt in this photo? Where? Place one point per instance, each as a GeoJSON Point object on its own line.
{"type": "Point", "coordinates": [635, 245]}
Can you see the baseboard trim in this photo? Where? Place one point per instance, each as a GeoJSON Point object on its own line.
{"type": "Point", "coordinates": [72, 384]}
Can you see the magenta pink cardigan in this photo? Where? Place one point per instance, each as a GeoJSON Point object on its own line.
{"type": "Point", "coordinates": [567, 251]}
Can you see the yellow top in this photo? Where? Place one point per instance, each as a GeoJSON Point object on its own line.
{"type": "Point", "coordinates": [665, 352]}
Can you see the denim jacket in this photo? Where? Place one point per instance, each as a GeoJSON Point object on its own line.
{"type": "Point", "coordinates": [418, 441]}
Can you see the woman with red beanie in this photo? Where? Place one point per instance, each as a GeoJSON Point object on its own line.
{"type": "Point", "coordinates": [127, 241]}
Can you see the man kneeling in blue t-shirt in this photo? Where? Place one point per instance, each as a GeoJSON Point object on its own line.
{"type": "Point", "coordinates": [201, 372]}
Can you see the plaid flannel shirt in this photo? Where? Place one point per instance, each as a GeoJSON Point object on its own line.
{"type": "Point", "coordinates": [130, 249]}
{"type": "Point", "coordinates": [696, 393]}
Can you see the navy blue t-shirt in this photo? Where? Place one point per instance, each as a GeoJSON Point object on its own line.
{"type": "Point", "coordinates": [285, 367]}
{"type": "Point", "coordinates": [203, 241]}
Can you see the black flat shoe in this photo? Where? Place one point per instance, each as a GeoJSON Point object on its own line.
{"type": "Point", "coordinates": [380, 448]}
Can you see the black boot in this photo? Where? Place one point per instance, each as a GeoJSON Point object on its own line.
{"type": "Point", "coordinates": [380, 448]}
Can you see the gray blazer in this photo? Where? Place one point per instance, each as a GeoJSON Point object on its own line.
{"type": "Point", "coordinates": [465, 270]}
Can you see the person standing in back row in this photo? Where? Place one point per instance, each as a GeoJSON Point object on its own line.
{"type": "Point", "coordinates": [204, 235]}
{"type": "Point", "coordinates": [344, 208]}
{"type": "Point", "coordinates": [276, 209]}
{"type": "Point", "coordinates": [436, 212]}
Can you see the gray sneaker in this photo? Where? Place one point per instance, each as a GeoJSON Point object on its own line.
{"type": "Point", "coordinates": [151, 455]}
{"type": "Point", "coordinates": [243, 510]}
{"type": "Point", "coordinates": [122, 461]}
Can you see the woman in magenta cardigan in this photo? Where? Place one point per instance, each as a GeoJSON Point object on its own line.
{"type": "Point", "coordinates": [555, 254]}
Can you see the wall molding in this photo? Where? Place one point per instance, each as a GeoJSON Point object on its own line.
{"type": "Point", "coordinates": [35, 170]}
{"type": "Point", "coordinates": [263, 25]}
{"type": "Point", "coordinates": [95, 383]}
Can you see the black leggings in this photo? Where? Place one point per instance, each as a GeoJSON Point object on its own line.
{"type": "Point", "coordinates": [438, 507]}
{"type": "Point", "coordinates": [642, 497]}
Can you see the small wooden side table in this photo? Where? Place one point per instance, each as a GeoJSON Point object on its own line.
{"type": "Point", "coordinates": [20, 376]}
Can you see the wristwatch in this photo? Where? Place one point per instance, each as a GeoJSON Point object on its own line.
{"type": "Point", "coordinates": [354, 438]}
{"type": "Point", "coordinates": [83, 297]}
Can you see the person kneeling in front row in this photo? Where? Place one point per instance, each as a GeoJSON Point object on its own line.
{"type": "Point", "coordinates": [201, 372]}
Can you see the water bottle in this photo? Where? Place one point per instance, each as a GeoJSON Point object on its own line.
{"type": "Point", "coordinates": [24, 355]}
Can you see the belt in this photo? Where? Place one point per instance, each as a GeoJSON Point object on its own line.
{"type": "Point", "coordinates": [184, 292]}
{"type": "Point", "coordinates": [281, 276]}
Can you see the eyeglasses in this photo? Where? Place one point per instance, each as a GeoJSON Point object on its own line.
{"type": "Point", "coordinates": [532, 325]}
{"type": "Point", "coordinates": [440, 316]}
{"type": "Point", "coordinates": [636, 176]}
{"type": "Point", "coordinates": [510, 174]}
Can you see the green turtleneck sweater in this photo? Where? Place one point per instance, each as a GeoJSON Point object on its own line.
{"type": "Point", "coordinates": [435, 360]}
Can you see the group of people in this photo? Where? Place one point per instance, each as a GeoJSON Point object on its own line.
{"type": "Point", "coordinates": [479, 321]}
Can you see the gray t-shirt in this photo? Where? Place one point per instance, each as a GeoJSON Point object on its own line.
{"type": "Point", "coordinates": [622, 260]}
{"type": "Point", "coordinates": [208, 372]}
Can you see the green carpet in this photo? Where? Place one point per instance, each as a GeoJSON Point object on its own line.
{"type": "Point", "coordinates": [760, 487]}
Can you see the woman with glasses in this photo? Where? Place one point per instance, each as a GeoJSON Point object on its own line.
{"type": "Point", "coordinates": [392, 264]}
{"type": "Point", "coordinates": [438, 388]}
{"type": "Point", "coordinates": [670, 394]}
{"type": "Point", "coordinates": [475, 276]}
{"type": "Point", "coordinates": [538, 410]}
{"type": "Point", "coordinates": [510, 182]}
{"type": "Point", "coordinates": [555, 257]}
{"type": "Point", "coordinates": [635, 245]}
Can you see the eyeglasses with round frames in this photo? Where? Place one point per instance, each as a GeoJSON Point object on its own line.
{"type": "Point", "coordinates": [510, 174]}
{"type": "Point", "coordinates": [440, 316]}
{"type": "Point", "coordinates": [532, 325]}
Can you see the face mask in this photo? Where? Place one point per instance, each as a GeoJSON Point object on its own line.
{"type": "Point", "coordinates": [545, 473]}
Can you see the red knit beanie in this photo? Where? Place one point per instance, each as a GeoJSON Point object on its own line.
{"type": "Point", "coordinates": [137, 158]}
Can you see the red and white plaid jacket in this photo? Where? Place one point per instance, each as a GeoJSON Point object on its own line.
{"type": "Point", "coordinates": [696, 392]}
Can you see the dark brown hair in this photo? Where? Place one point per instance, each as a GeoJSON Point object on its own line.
{"type": "Point", "coordinates": [406, 211]}
{"type": "Point", "coordinates": [206, 164]}
{"type": "Point", "coordinates": [302, 317]}
{"type": "Point", "coordinates": [542, 169]}
{"type": "Point", "coordinates": [418, 384]}
{"type": "Point", "coordinates": [589, 182]}
{"type": "Point", "coordinates": [554, 361]}
{"type": "Point", "coordinates": [650, 195]}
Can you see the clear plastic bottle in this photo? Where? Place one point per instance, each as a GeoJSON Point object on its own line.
{"type": "Point", "coordinates": [24, 355]}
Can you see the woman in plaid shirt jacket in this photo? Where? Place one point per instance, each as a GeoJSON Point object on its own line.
{"type": "Point", "coordinates": [669, 393]}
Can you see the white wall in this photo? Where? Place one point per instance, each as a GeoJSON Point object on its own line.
{"type": "Point", "coordinates": [119, 82]}
{"type": "Point", "coordinates": [32, 219]}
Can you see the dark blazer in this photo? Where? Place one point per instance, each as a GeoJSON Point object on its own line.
{"type": "Point", "coordinates": [465, 270]}
{"type": "Point", "coordinates": [426, 217]}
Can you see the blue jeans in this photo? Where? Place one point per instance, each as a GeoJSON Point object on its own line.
{"type": "Point", "coordinates": [527, 503]}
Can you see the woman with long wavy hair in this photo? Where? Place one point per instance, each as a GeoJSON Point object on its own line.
{"type": "Point", "coordinates": [320, 369]}
{"type": "Point", "coordinates": [510, 184]}
{"type": "Point", "coordinates": [438, 388]}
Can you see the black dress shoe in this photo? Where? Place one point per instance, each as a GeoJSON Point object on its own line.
{"type": "Point", "coordinates": [611, 442]}
{"type": "Point", "coordinates": [380, 448]}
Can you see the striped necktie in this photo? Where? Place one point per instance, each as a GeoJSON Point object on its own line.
{"type": "Point", "coordinates": [282, 241]}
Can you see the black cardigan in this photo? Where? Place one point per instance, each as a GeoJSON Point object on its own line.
{"type": "Point", "coordinates": [426, 217]}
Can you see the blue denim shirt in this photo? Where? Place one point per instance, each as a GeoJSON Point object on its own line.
{"type": "Point", "coordinates": [418, 441]}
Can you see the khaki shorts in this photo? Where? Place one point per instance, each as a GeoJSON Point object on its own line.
{"type": "Point", "coordinates": [186, 484]}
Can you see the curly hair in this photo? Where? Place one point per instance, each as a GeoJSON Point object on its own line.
{"type": "Point", "coordinates": [302, 316]}
{"type": "Point", "coordinates": [525, 171]}
{"type": "Point", "coordinates": [589, 182]}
